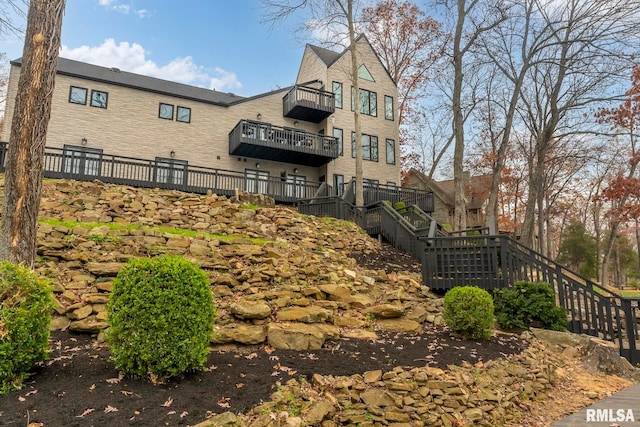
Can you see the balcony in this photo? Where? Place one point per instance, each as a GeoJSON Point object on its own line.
{"type": "Point", "coordinates": [264, 141]}
{"type": "Point", "coordinates": [308, 104]}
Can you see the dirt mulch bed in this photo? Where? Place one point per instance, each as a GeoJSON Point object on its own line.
{"type": "Point", "coordinates": [79, 386]}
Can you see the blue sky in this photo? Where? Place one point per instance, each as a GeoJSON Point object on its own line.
{"type": "Point", "coordinates": [219, 44]}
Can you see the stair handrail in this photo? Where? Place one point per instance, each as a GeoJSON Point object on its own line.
{"type": "Point", "coordinates": [542, 259]}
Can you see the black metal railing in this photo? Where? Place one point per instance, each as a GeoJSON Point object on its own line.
{"type": "Point", "coordinates": [61, 163]}
{"type": "Point", "coordinates": [264, 140]}
{"type": "Point", "coordinates": [373, 193]}
{"type": "Point", "coordinates": [493, 262]}
{"type": "Point", "coordinates": [309, 104]}
{"type": "Point", "coordinates": [402, 228]}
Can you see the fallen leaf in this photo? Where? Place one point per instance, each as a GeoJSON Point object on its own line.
{"type": "Point", "coordinates": [126, 393]}
{"type": "Point", "coordinates": [223, 402]}
{"type": "Point", "coordinates": [93, 387]}
{"type": "Point", "coordinates": [115, 380]}
{"type": "Point", "coordinates": [35, 425]}
{"type": "Point", "coordinates": [31, 392]}
{"type": "Point", "coordinates": [171, 413]}
{"type": "Point", "coordinates": [268, 349]}
{"type": "Point", "coordinates": [168, 402]}
{"type": "Point", "coordinates": [86, 412]}
{"type": "Point", "coordinates": [184, 414]}
{"type": "Point", "coordinates": [21, 399]}
{"type": "Point", "coordinates": [110, 408]}
{"type": "Point", "coordinates": [251, 356]}
{"type": "Point", "coordinates": [239, 385]}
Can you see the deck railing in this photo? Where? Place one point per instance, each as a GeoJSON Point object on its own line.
{"type": "Point", "coordinates": [373, 193]}
{"type": "Point", "coordinates": [308, 97]}
{"type": "Point", "coordinates": [261, 134]}
{"type": "Point", "coordinates": [61, 163]}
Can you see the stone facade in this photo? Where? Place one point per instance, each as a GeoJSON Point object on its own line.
{"type": "Point", "coordinates": [131, 125]}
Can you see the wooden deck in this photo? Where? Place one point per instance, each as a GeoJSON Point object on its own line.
{"type": "Point", "coordinates": [607, 411]}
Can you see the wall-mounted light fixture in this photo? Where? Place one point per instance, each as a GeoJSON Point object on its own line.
{"type": "Point", "coordinates": [259, 116]}
{"type": "Point", "coordinates": [257, 165]}
{"type": "Point", "coordinates": [84, 141]}
{"type": "Point", "coordinates": [295, 123]}
{"type": "Point", "coordinates": [172, 154]}
{"type": "Point", "coordinates": [295, 170]}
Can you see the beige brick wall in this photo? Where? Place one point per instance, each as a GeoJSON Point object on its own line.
{"type": "Point", "coordinates": [378, 126]}
{"type": "Point", "coordinates": [130, 126]}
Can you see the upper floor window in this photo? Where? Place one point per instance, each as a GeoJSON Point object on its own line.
{"type": "Point", "coordinates": [338, 135]}
{"type": "Point", "coordinates": [165, 111]}
{"type": "Point", "coordinates": [183, 114]}
{"type": "Point", "coordinates": [99, 98]}
{"type": "Point", "coordinates": [369, 147]}
{"type": "Point", "coordinates": [368, 102]}
{"type": "Point", "coordinates": [337, 94]}
{"type": "Point", "coordinates": [388, 107]}
{"type": "Point", "coordinates": [363, 73]}
{"type": "Point", "coordinates": [391, 151]}
{"type": "Point", "coordinates": [78, 95]}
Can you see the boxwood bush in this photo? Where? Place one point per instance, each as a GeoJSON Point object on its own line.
{"type": "Point", "coordinates": [25, 315]}
{"type": "Point", "coordinates": [528, 304]}
{"type": "Point", "coordinates": [161, 316]}
{"type": "Point", "coordinates": [468, 311]}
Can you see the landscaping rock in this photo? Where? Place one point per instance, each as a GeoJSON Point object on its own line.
{"type": "Point", "coordinates": [295, 336]}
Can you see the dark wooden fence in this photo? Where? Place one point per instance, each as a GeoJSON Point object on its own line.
{"type": "Point", "coordinates": [373, 193]}
{"type": "Point", "coordinates": [493, 262]}
{"type": "Point", "coordinates": [153, 174]}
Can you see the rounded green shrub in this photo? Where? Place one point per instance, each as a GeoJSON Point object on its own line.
{"type": "Point", "coordinates": [468, 311]}
{"type": "Point", "coordinates": [25, 315]}
{"type": "Point", "coordinates": [528, 304]}
{"type": "Point", "coordinates": [161, 316]}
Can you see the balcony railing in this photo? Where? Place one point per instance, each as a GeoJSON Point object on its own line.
{"type": "Point", "coordinates": [265, 141]}
{"type": "Point", "coordinates": [308, 104]}
{"type": "Point", "coordinates": [113, 169]}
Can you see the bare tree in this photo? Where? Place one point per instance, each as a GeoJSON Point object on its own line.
{"type": "Point", "coordinates": [472, 19]}
{"type": "Point", "coordinates": [7, 9]}
{"type": "Point", "coordinates": [335, 14]}
{"type": "Point", "coordinates": [586, 50]}
{"type": "Point", "coordinates": [23, 177]}
{"type": "Point", "coordinates": [409, 44]}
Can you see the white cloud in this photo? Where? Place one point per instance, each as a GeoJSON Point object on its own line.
{"type": "Point", "coordinates": [132, 57]}
{"type": "Point", "coordinates": [122, 7]}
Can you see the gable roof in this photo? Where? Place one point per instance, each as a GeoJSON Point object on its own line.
{"type": "Point", "coordinates": [329, 57]}
{"type": "Point", "coordinates": [83, 70]}
{"type": "Point", "coordinates": [477, 188]}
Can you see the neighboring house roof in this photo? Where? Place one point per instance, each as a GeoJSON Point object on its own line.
{"type": "Point", "coordinates": [69, 67]}
{"type": "Point", "coordinates": [477, 189]}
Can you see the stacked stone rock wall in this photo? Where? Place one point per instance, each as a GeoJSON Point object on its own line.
{"type": "Point", "coordinates": [278, 277]}
{"type": "Point", "coordinates": [488, 394]}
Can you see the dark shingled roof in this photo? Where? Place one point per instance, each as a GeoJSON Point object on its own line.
{"type": "Point", "coordinates": [114, 76]}
{"type": "Point", "coordinates": [327, 56]}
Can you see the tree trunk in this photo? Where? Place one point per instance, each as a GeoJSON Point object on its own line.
{"type": "Point", "coordinates": [23, 176]}
{"type": "Point", "coordinates": [356, 104]}
{"type": "Point", "coordinates": [460, 211]}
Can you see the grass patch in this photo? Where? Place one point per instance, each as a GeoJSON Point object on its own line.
{"type": "Point", "coordinates": [249, 206]}
{"type": "Point", "coordinates": [174, 231]}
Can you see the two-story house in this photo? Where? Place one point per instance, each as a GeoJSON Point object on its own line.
{"type": "Point", "coordinates": [288, 143]}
